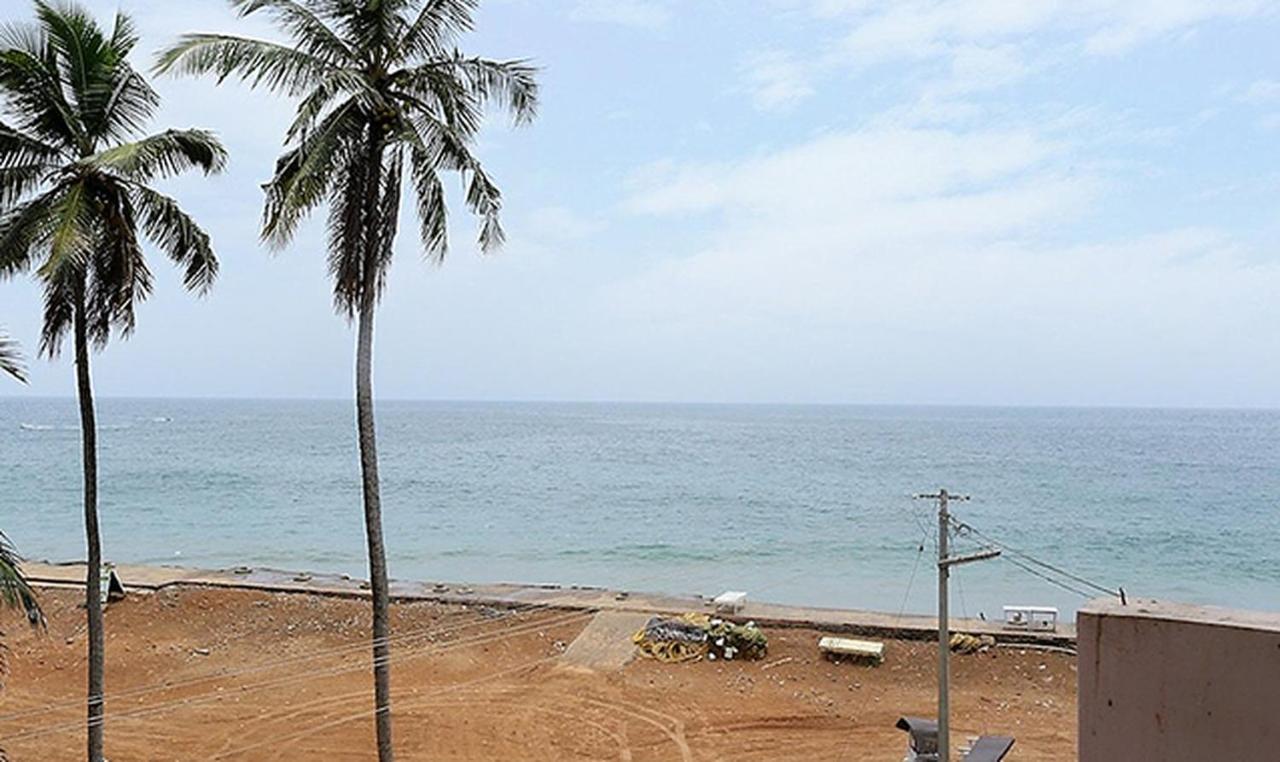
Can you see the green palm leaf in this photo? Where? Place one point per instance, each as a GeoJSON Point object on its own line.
{"type": "Point", "coordinates": [15, 591]}
{"type": "Point", "coordinates": [163, 155]}
{"type": "Point", "coordinates": [10, 360]}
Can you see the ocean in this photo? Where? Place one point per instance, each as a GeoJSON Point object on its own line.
{"type": "Point", "coordinates": [796, 504]}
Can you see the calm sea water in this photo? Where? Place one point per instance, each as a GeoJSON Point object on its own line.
{"type": "Point", "coordinates": [796, 504]}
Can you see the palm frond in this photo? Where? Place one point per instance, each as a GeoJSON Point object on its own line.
{"type": "Point", "coordinates": [124, 34]}
{"type": "Point", "coordinates": [119, 278]}
{"type": "Point", "coordinates": [348, 197]}
{"type": "Point", "coordinates": [436, 92]}
{"type": "Point", "coordinates": [128, 105]}
{"type": "Point", "coordinates": [438, 23]}
{"type": "Point", "coordinates": [25, 162]}
{"type": "Point", "coordinates": [61, 291]}
{"type": "Point", "coordinates": [17, 181]}
{"type": "Point", "coordinates": [485, 200]}
{"type": "Point", "coordinates": [305, 26]}
{"type": "Point", "coordinates": [163, 155]}
{"type": "Point", "coordinates": [19, 149]}
{"type": "Point", "coordinates": [511, 85]}
{"type": "Point", "coordinates": [24, 229]}
{"type": "Point", "coordinates": [362, 232]}
{"type": "Point", "coordinates": [71, 238]}
{"type": "Point", "coordinates": [15, 591]}
{"type": "Point", "coordinates": [179, 237]}
{"type": "Point", "coordinates": [31, 83]}
{"type": "Point", "coordinates": [439, 147]}
{"type": "Point", "coordinates": [111, 100]}
{"type": "Point", "coordinates": [433, 212]}
{"type": "Point", "coordinates": [11, 359]}
{"type": "Point", "coordinates": [334, 84]}
{"type": "Point", "coordinates": [387, 210]}
{"type": "Point", "coordinates": [258, 63]}
{"type": "Point", "coordinates": [304, 175]}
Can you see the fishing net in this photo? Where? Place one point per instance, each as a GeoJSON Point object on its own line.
{"type": "Point", "coordinates": [694, 636]}
{"type": "Point", "coordinates": [963, 643]}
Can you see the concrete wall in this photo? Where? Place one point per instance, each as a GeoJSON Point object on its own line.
{"type": "Point", "coordinates": [1174, 683]}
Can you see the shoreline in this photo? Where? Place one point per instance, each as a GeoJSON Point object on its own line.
{"type": "Point", "coordinates": [143, 578]}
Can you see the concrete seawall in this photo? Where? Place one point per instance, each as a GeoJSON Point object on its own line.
{"type": "Point", "coordinates": [576, 598]}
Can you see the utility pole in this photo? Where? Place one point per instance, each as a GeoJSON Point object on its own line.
{"type": "Point", "coordinates": [945, 562]}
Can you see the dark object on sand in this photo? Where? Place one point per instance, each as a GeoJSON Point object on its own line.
{"type": "Point", "coordinates": [989, 749]}
{"type": "Point", "coordinates": [922, 738]}
{"type": "Point", "coordinates": [923, 743]}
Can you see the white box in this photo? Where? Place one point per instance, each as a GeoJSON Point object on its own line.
{"type": "Point", "coordinates": [730, 601]}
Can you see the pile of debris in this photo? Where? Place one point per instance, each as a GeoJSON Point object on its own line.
{"type": "Point", "coordinates": [694, 636]}
{"type": "Point", "coordinates": [963, 643]}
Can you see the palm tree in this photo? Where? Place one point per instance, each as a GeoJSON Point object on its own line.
{"type": "Point", "coordinates": [75, 203]}
{"type": "Point", "coordinates": [381, 85]}
{"type": "Point", "coordinates": [10, 360]}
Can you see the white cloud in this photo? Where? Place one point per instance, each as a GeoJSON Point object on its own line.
{"type": "Point", "coordinates": [914, 28]}
{"type": "Point", "coordinates": [1261, 92]}
{"type": "Point", "coordinates": [880, 253]}
{"type": "Point", "coordinates": [982, 44]}
{"type": "Point", "coordinates": [1127, 24]}
{"type": "Point", "coordinates": [777, 81]}
{"type": "Point", "coordinates": [838, 173]}
{"type": "Point", "coordinates": [635, 13]}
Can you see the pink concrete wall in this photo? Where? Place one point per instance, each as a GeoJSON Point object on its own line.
{"type": "Point", "coordinates": [1173, 683]}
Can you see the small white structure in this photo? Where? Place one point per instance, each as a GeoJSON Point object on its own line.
{"type": "Point", "coordinates": [1040, 618]}
{"type": "Point", "coordinates": [730, 601]}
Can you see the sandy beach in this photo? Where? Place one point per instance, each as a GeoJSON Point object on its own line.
{"type": "Point", "coordinates": [199, 673]}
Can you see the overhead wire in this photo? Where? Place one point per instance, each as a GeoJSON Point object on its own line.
{"type": "Point", "coordinates": [968, 528]}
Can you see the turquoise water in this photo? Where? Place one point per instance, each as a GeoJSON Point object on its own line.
{"type": "Point", "coordinates": [797, 504]}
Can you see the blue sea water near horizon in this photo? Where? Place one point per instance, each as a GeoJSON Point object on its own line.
{"type": "Point", "coordinates": [802, 504]}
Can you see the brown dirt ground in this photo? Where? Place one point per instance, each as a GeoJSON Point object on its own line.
{"type": "Point", "coordinates": [204, 674]}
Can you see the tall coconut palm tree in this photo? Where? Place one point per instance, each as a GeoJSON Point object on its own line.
{"type": "Point", "coordinates": [76, 203]}
{"type": "Point", "coordinates": [381, 85]}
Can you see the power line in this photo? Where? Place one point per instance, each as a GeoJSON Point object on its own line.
{"type": "Point", "coordinates": [962, 527]}
{"type": "Point", "coordinates": [1047, 578]}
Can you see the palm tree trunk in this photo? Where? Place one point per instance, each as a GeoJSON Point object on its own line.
{"type": "Point", "coordinates": [93, 580]}
{"type": "Point", "coordinates": [378, 585]}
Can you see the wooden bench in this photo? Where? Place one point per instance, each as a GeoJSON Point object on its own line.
{"type": "Point", "coordinates": [848, 647]}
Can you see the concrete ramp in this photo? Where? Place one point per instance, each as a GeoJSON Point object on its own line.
{"type": "Point", "coordinates": [605, 643]}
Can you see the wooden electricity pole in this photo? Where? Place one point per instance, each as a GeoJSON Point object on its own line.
{"type": "Point", "coordinates": [945, 562]}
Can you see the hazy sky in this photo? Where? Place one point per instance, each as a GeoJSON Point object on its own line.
{"type": "Point", "coordinates": [972, 201]}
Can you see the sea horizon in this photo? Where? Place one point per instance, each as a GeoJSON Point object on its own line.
{"type": "Point", "coordinates": [784, 501]}
{"type": "Point", "coordinates": [659, 402]}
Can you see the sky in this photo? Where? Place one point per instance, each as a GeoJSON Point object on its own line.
{"type": "Point", "coordinates": [1045, 202]}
